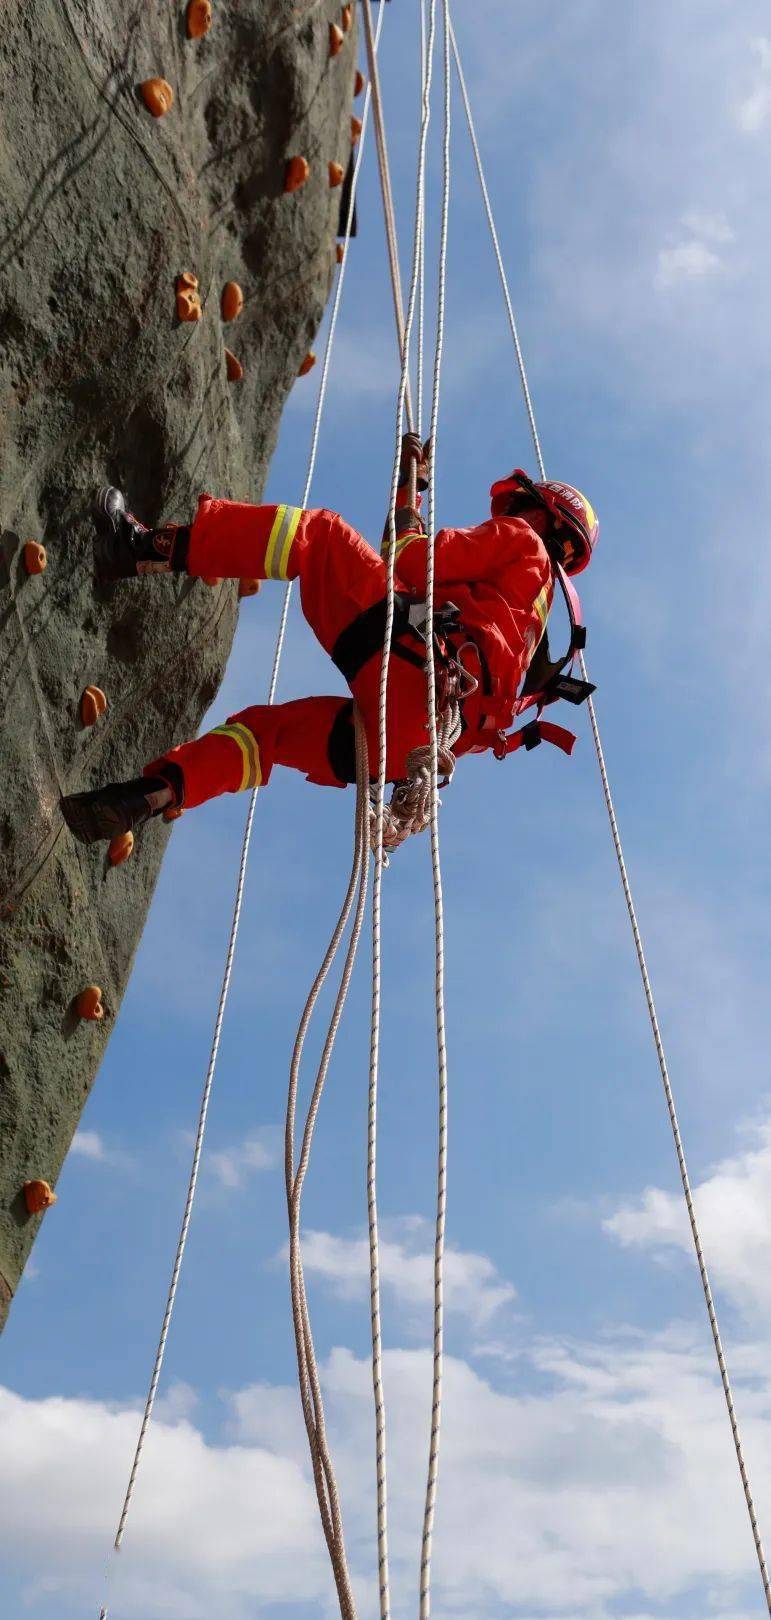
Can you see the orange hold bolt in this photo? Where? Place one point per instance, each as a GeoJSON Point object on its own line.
{"type": "Point", "coordinates": [296, 173]}
{"type": "Point", "coordinates": [336, 39]}
{"type": "Point", "coordinates": [234, 368]}
{"type": "Point", "coordinates": [38, 1195]}
{"type": "Point", "coordinates": [120, 848]}
{"type": "Point", "coordinates": [35, 559]}
{"type": "Point", "coordinates": [232, 301]}
{"type": "Point", "coordinates": [157, 96]}
{"type": "Point", "coordinates": [88, 1004]}
{"type": "Point", "coordinates": [336, 172]}
{"type": "Point", "coordinates": [93, 703]}
{"type": "Point", "coordinates": [198, 18]}
{"type": "Point", "coordinates": [188, 297]}
{"type": "Point", "coordinates": [308, 364]}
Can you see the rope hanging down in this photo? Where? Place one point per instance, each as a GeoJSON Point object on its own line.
{"type": "Point", "coordinates": [441, 1041]}
{"type": "Point", "coordinates": [638, 944]}
{"type": "Point", "coordinates": [421, 795]}
{"type": "Point", "coordinates": [310, 1390]}
{"type": "Point", "coordinates": [404, 336]}
{"type": "Point", "coordinates": [238, 901]}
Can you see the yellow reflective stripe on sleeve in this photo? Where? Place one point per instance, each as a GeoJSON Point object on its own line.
{"type": "Point", "coordinates": [280, 541]}
{"type": "Point", "coordinates": [245, 740]}
{"type": "Point", "coordinates": [403, 540]}
{"type": "Point", "coordinates": [541, 606]}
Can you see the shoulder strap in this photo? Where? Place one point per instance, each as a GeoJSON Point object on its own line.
{"type": "Point", "coordinates": [545, 681]}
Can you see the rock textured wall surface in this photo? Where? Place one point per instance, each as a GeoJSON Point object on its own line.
{"type": "Point", "coordinates": [102, 207]}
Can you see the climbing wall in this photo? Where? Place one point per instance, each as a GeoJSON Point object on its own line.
{"type": "Point", "coordinates": [104, 206]}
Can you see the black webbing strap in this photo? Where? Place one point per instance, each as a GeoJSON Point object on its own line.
{"type": "Point", "coordinates": [362, 639]}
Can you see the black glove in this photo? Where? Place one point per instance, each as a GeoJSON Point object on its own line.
{"type": "Point", "coordinates": [406, 521]}
{"type": "Point", "coordinates": [413, 450]}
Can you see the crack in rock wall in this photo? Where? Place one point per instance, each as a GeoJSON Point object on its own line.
{"type": "Point", "coordinates": [102, 207]}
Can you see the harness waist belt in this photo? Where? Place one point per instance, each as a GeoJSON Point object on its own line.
{"type": "Point", "coordinates": [364, 637]}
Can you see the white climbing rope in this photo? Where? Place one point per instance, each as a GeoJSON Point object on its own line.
{"type": "Point", "coordinates": [638, 943]}
{"type": "Point", "coordinates": [422, 253]}
{"type": "Point", "coordinates": [441, 1039]}
{"type": "Point", "coordinates": [378, 825]}
{"type": "Point", "coordinates": [313, 1408]}
{"type": "Point", "coordinates": [424, 786]}
{"type": "Point", "coordinates": [209, 1080]}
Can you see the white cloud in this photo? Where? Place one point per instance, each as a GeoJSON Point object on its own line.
{"type": "Point", "coordinates": [88, 1144]}
{"type": "Point", "coordinates": [233, 1166]}
{"type": "Point", "coordinates": [472, 1286]}
{"type": "Point", "coordinates": [689, 261]}
{"type": "Point", "coordinates": [710, 227]}
{"type": "Point", "coordinates": [733, 1205]}
{"type": "Point", "coordinates": [91, 1145]}
{"type": "Point", "coordinates": [209, 1524]}
{"type": "Point", "coordinates": [605, 1478]}
{"type": "Point", "coordinates": [754, 109]}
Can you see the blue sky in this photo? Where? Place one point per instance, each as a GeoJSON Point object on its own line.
{"type": "Point", "coordinates": [587, 1471]}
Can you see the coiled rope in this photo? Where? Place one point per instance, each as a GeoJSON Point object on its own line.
{"type": "Point", "coordinates": [630, 906]}
{"type": "Point", "coordinates": [238, 901]}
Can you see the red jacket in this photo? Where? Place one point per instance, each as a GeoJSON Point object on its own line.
{"type": "Point", "coordinates": [500, 578]}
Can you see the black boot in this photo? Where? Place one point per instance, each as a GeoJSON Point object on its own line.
{"type": "Point", "coordinates": [117, 808]}
{"type": "Point", "coordinates": [128, 549]}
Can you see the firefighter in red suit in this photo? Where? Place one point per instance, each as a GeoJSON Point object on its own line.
{"type": "Point", "coordinates": [497, 578]}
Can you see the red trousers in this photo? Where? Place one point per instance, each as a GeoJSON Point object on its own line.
{"type": "Point", "coordinates": [340, 578]}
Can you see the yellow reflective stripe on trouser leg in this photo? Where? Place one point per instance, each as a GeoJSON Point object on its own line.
{"type": "Point", "coordinates": [280, 542]}
{"type": "Point", "coordinates": [251, 774]}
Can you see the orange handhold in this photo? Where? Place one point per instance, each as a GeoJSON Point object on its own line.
{"type": "Point", "coordinates": [211, 580]}
{"type": "Point", "coordinates": [232, 301]}
{"type": "Point", "coordinates": [336, 38]}
{"type": "Point", "coordinates": [198, 18]}
{"type": "Point", "coordinates": [38, 1196]}
{"type": "Point", "coordinates": [249, 587]}
{"type": "Point", "coordinates": [35, 558]}
{"type": "Point", "coordinates": [336, 172]}
{"type": "Point", "coordinates": [233, 366]}
{"type": "Point", "coordinates": [340, 252]}
{"type": "Point", "coordinates": [173, 812]}
{"type": "Point", "coordinates": [308, 364]}
{"type": "Point", "coordinates": [120, 848]}
{"type": "Point", "coordinates": [355, 129]}
{"type": "Point", "coordinates": [296, 173]}
{"type": "Point", "coordinates": [188, 297]}
{"type": "Point", "coordinates": [89, 1003]}
{"type": "Point", "coordinates": [359, 82]}
{"type": "Point", "coordinates": [92, 704]}
{"type": "Point", "coordinates": [157, 96]}
{"type": "Point", "coordinates": [347, 18]}
{"type": "Point", "coordinates": [188, 304]}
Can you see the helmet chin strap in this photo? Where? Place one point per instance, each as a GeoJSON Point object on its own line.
{"type": "Point", "coordinates": [531, 500]}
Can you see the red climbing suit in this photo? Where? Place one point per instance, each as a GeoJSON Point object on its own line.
{"type": "Point", "coordinates": [498, 575]}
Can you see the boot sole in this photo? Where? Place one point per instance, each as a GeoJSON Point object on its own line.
{"type": "Point", "coordinates": [108, 566]}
